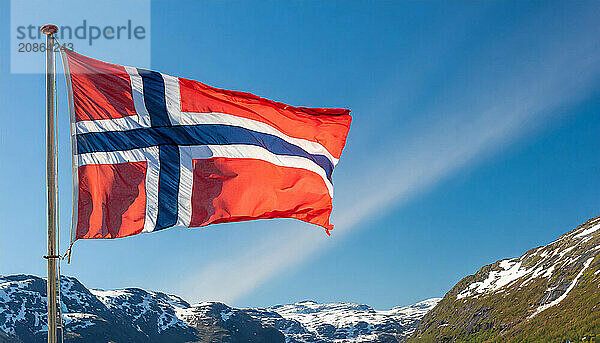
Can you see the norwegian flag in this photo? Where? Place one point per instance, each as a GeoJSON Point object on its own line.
{"type": "Point", "coordinates": [153, 151]}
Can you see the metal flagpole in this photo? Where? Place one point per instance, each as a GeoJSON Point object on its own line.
{"type": "Point", "coordinates": [49, 30]}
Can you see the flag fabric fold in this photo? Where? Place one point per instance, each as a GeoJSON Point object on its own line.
{"type": "Point", "coordinates": [153, 151]}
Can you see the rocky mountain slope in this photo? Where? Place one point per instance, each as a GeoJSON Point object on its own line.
{"type": "Point", "coordinates": [137, 315]}
{"type": "Point", "coordinates": [549, 294]}
{"type": "Point", "coordinates": [348, 322]}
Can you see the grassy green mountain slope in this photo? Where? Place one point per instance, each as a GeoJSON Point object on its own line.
{"type": "Point", "coordinates": [549, 294]}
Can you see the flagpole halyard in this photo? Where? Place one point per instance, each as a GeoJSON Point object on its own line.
{"type": "Point", "coordinates": [70, 105]}
{"type": "Point", "coordinates": [49, 30]}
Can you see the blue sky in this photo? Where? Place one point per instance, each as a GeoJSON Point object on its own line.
{"type": "Point", "coordinates": [475, 137]}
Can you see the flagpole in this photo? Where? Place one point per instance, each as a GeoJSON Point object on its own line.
{"type": "Point", "coordinates": [49, 30]}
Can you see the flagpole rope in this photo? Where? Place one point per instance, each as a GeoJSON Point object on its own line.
{"type": "Point", "coordinates": [56, 185]}
{"type": "Point", "coordinates": [67, 253]}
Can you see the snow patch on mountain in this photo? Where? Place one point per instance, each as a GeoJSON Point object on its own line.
{"type": "Point", "coordinates": [139, 304]}
{"type": "Point", "coordinates": [541, 262]}
{"type": "Point", "coordinates": [225, 315]}
{"type": "Point", "coordinates": [566, 292]}
{"type": "Point", "coordinates": [18, 296]}
{"type": "Point", "coordinates": [588, 231]}
{"type": "Point", "coordinates": [76, 321]}
{"type": "Point", "coordinates": [511, 271]}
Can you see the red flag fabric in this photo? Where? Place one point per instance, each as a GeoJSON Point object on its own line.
{"type": "Point", "coordinates": [153, 151]}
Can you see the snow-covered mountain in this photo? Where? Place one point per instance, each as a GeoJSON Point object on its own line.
{"type": "Point", "coordinates": [348, 322]}
{"type": "Point", "coordinates": [309, 321]}
{"type": "Point", "coordinates": [549, 294]}
{"type": "Point", "coordinates": [137, 315]}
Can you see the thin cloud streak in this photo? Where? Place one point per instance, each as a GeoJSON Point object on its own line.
{"type": "Point", "coordinates": [485, 121]}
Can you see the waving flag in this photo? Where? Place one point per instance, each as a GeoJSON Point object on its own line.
{"type": "Point", "coordinates": [153, 151]}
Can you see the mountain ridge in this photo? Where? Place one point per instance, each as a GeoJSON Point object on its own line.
{"type": "Point", "coordinates": [138, 315]}
{"type": "Point", "coordinates": [550, 293]}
